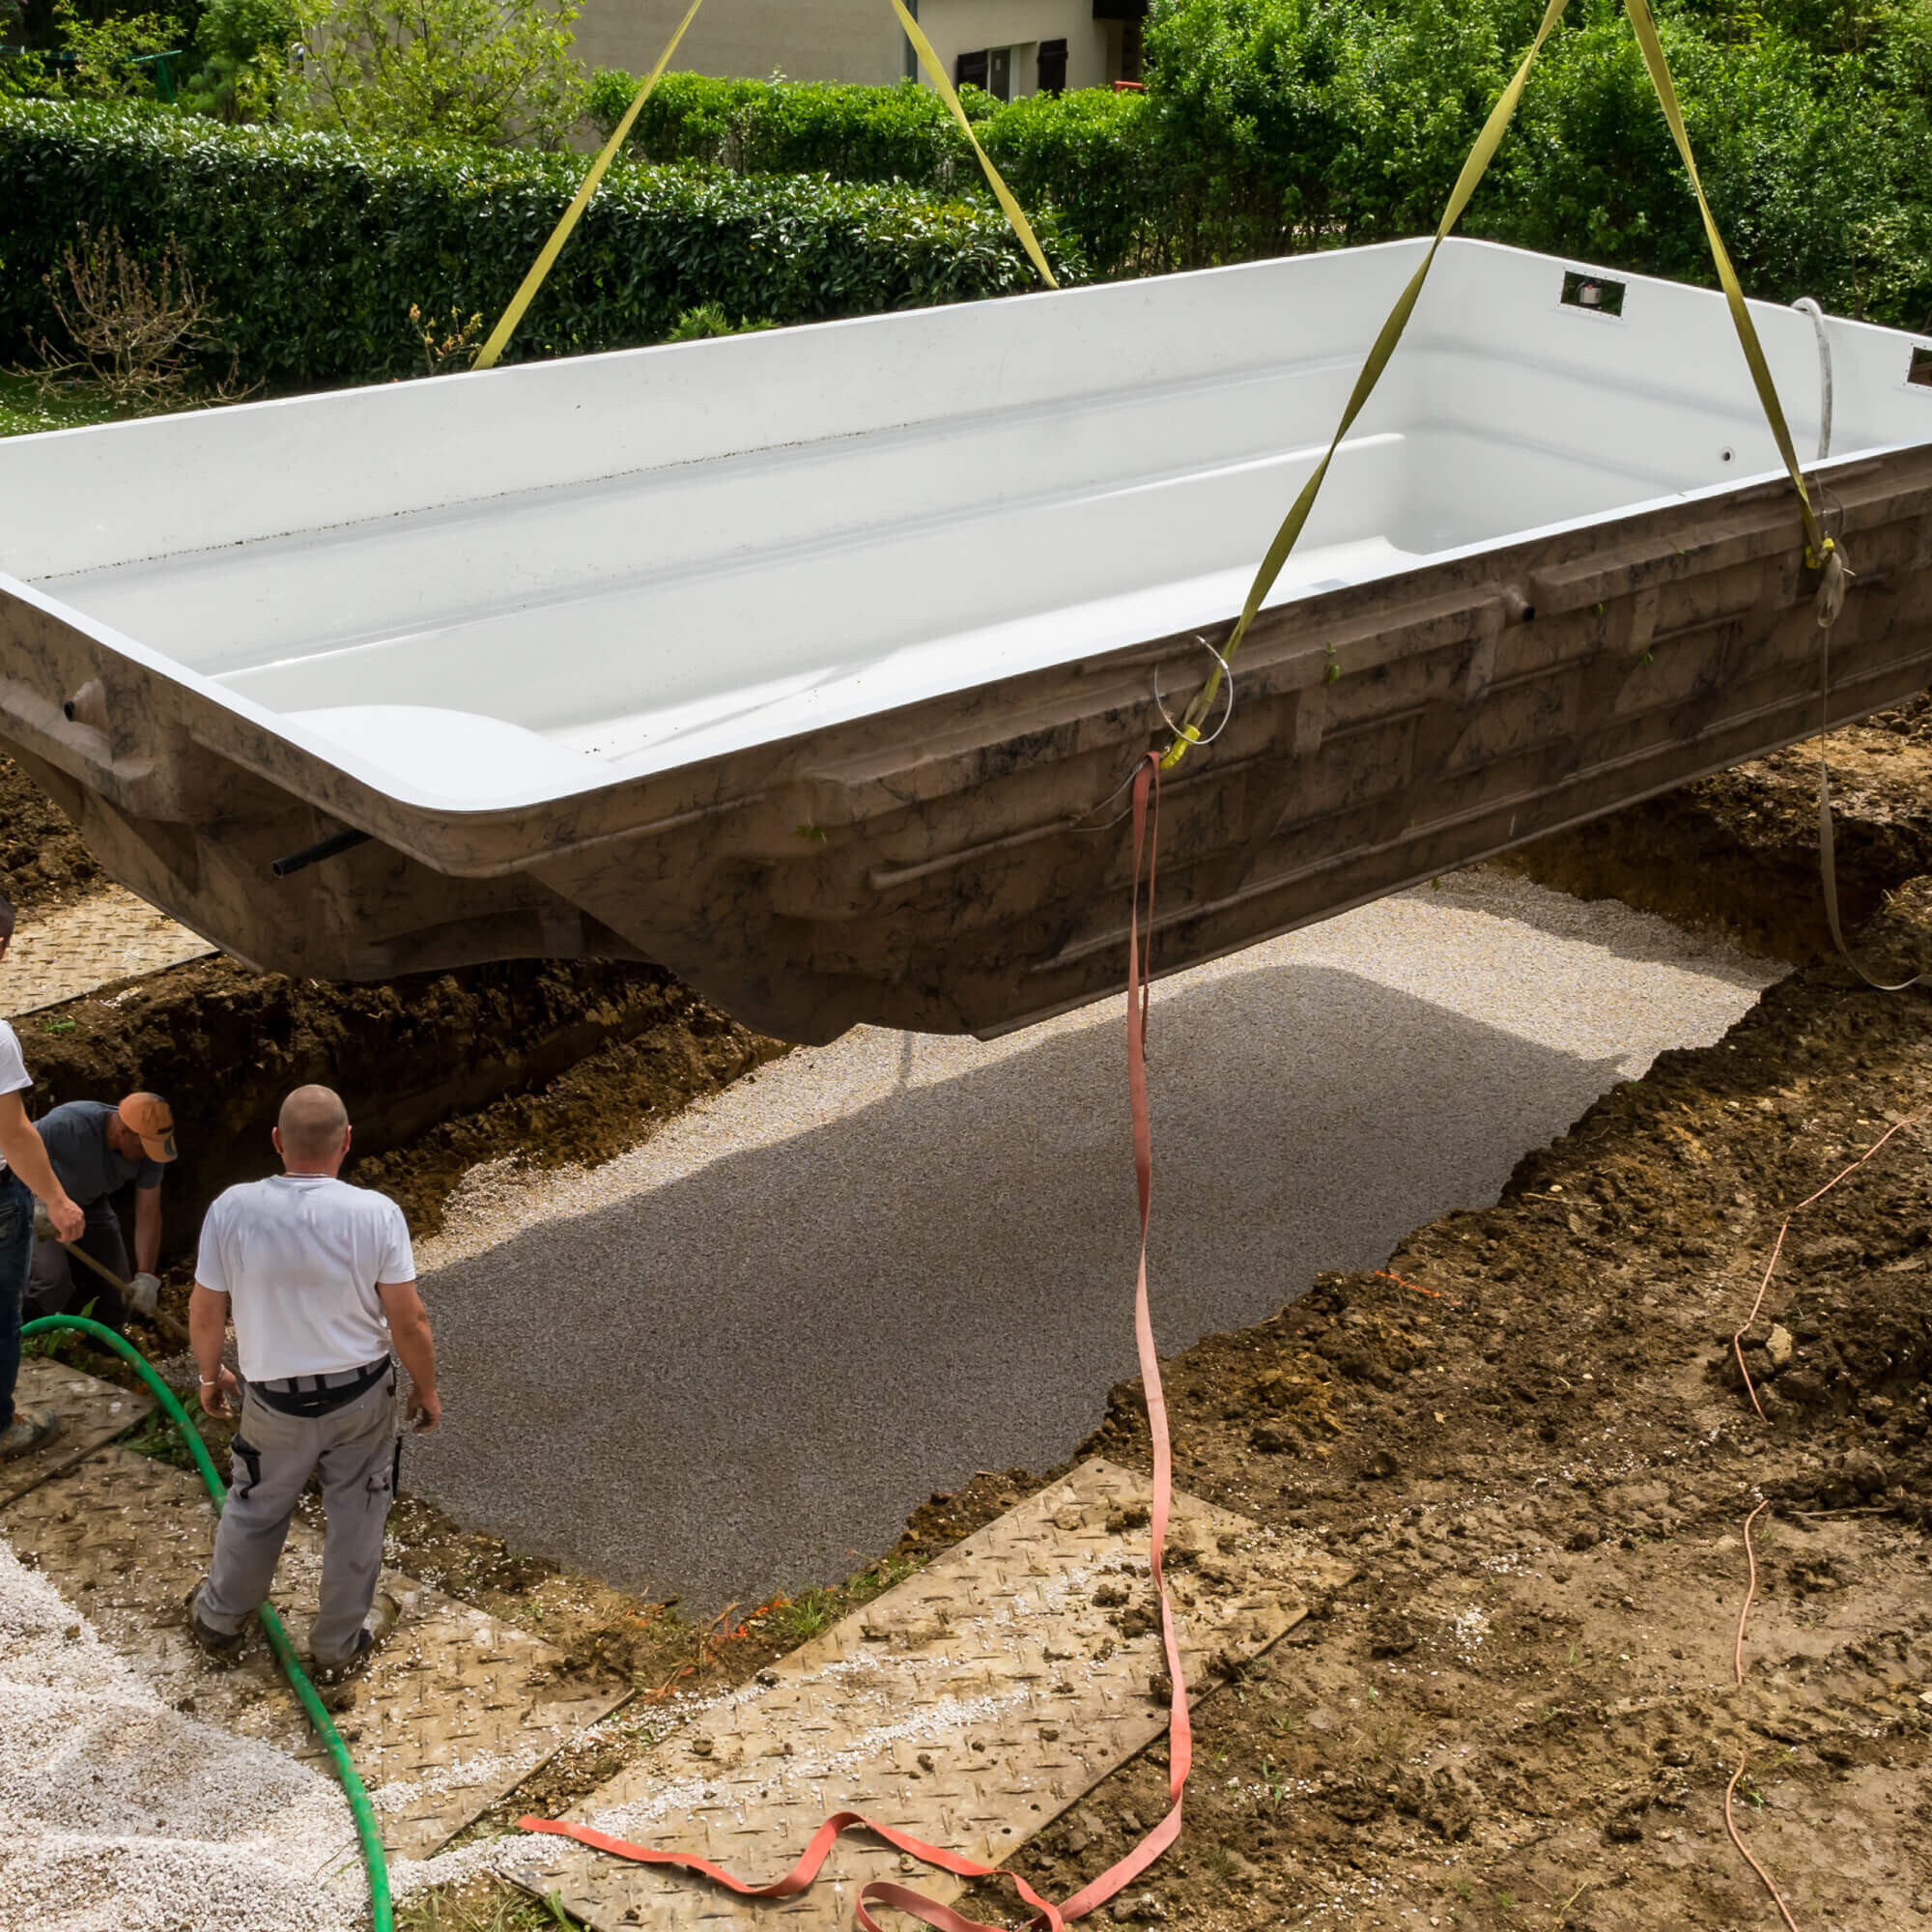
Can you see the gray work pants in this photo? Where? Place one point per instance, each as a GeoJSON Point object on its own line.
{"type": "Point", "coordinates": [58, 1284]}
{"type": "Point", "coordinates": [354, 1450]}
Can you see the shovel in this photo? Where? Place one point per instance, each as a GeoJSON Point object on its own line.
{"type": "Point", "coordinates": [43, 1231]}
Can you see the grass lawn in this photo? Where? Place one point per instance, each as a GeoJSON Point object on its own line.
{"type": "Point", "coordinates": [23, 408]}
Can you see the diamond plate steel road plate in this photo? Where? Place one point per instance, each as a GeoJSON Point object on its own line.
{"type": "Point", "coordinates": [108, 937]}
{"type": "Point", "coordinates": [92, 1413]}
{"type": "Point", "coordinates": [970, 1705]}
{"type": "Point", "coordinates": [456, 1709]}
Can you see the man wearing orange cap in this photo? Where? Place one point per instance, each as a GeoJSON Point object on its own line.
{"type": "Point", "coordinates": [95, 1150]}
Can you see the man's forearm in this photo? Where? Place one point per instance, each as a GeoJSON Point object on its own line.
{"type": "Point", "coordinates": [147, 1231]}
{"type": "Point", "coordinates": [416, 1349]}
{"type": "Point", "coordinates": [207, 1330]}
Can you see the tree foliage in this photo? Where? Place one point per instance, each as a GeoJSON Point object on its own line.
{"type": "Point", "coordinates": [243, 49]}
{"type": "Point", "coordinates": [1277, 125]}
{"type": "Point", "coordinates": [496, 72]}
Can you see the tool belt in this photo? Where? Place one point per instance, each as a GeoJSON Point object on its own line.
{"type": "Point", "coordinates": [311, 1396]}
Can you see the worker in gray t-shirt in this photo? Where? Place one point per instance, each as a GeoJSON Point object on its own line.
{"type": "Point", "coordinates": [322, 1283]}
{"type": "Point", "coordinates": [97, 1151]}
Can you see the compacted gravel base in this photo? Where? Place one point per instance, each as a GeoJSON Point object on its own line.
{"type": "Point", "coordinates": [734, 1359]}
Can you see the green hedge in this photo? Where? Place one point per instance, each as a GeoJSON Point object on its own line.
{"type": "Point", "coordinates": [1081, 158]}
{"type": "Point", "coordinates": [761, 126]}
{"type": "Point", "coordinates": [314, 246]}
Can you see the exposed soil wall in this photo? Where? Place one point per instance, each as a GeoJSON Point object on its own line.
{"type": "Point", "coordinates": [1739, 850]}
{"type": "Point", "coordinates": [43, 861]}
{"type": "Point", "coordinates": [438, 1072]}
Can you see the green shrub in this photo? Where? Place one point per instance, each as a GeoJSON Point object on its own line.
{"type": "Point", "coordinates": [315, 246]}
{"type": "Point", "coordinates": [1089, 159]}
{"type": "Point", "coordinates": [1821, 184]}
{"type": "Point", "coordinates": [1080, 156]}
{"type": "Point", "coordinates": [707, 319]}
{"type": "Point", "coordinates": [497, 73]}
{"type": "Point", "coordinates": [111, 58]}
{"type": "Point", "coordinates": [1305, 123]}
{"type": "Point", "coordinates": [878, 134]}
{"type": "Point", "coordinates": [241, 48]}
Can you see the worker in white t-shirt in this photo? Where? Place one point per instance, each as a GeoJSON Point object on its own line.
{"type": "Point", "coordinates": [321, 1281]}
{"type": "Point", "coordinates": [24, 1173]}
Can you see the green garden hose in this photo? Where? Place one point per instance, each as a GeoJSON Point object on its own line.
{"type": "Point", "coordinates": [380, 1913]}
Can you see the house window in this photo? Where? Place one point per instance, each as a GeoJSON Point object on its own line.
{"type": "Point", "coordinates": [1053, 67]}
{"type": "Point", "coordinates": [990, 67]}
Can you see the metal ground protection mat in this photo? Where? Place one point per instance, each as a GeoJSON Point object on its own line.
{"type": "Point", "coordinates": [969, 1705]}
{"type": "Point", "coordinates": [455, 1709]}
{"type": "Point", "coordinates": [107, 937]}
{"type": "Point", "coordinates": [92, 1412]}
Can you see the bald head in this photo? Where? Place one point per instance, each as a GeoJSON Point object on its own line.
{"type": "Point", "coordinates": [312, 1134]}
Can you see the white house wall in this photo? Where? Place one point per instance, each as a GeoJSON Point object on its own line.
{"type": "Point", "coordinates": [802, 39]}
{"type": "Point", "coordinates": [841, 40]}
{"type": "Point", "coordinates": [965, 26]}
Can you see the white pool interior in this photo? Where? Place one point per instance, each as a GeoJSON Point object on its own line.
{"type": "Point", "coordinates": [480, 591]}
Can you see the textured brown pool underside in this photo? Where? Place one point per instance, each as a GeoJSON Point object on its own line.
{"type": "Point", "coordinates": [939, 868]}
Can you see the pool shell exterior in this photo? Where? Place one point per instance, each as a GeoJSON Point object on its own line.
{"type": "Point", "coordinates": [1423, 690]}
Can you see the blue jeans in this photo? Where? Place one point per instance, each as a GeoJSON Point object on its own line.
{"type": "Point", "coordinates": [16, 1251]}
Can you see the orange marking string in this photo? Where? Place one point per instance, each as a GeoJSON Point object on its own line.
{"type": "Point", "coordinates": [1416, 1288]}
{"type": "Point", "coordinates": [1777, 1248]}
{"type": "Point", "coordinates": [1750, 1592]}
{"type": "Point", "coordinates": [1750, 1554]}
{"type": "Point", "coordinates": [1744, 1850]}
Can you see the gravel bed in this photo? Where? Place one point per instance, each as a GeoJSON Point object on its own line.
{"type": "Point", "coordinates": [126, 1815]}
{"type": "Point", "coordinates": [735, 1358]}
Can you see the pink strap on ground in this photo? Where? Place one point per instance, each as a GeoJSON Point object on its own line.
{"type": "Point", "coordinates": [1180, 1736]}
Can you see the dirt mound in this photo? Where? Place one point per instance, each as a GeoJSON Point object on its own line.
{"type": "Point", "coordinates": [1527, 1436]}
{"type": "Point", "coordinates": [1739, 850]}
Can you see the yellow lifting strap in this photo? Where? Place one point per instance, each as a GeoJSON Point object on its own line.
{"type": "Point", "coordinates": [935, 72]}
{"type": "Point", "coordinates": [1285, 539]}
{"type": "Point", "coordinates": [1818, 545]}
{"type": "Point", "coordinates": [506, 324]}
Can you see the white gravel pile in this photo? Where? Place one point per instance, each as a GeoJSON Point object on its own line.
{"type": "Point", "coordinates": [123, 1814]}
{"type": "Point", "coordinates": [736, 1357]}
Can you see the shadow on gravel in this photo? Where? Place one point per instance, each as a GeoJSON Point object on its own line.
{"type": "Point", "coordinates": [747, 1377]}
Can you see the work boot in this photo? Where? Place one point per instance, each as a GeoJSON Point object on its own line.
{"type": "Point", "coordinates": [218, 1646]}
{"type": "Point", "coordinates": [29, 1428]}
{"type": "Point", "coordinates": [374, 1634]}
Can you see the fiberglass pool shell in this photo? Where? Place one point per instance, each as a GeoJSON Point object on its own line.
{"type": "Point", "coordinates": [803, 663]}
